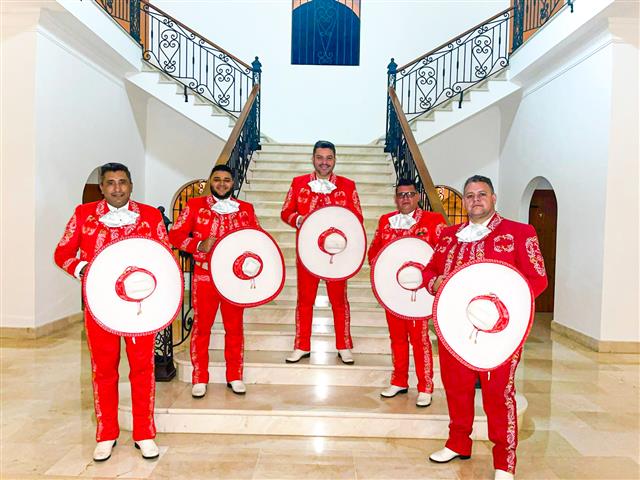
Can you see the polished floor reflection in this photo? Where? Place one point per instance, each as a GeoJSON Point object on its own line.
{"type": "Point", "coordinates": [582, 423]}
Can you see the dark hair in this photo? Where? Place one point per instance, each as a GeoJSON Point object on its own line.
{"type": "Point", "coordinates": [478, 179]}
{"type": "Point", "coordinates": [406, 182]}
{"type": "Point", "coordinates": [324, 144]}
{"type": "Point", "coordinates": [114, 167]}
{"type": "Point", "coordinates": [222, 168]}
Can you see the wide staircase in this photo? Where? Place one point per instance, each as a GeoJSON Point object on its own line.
{"type": "Point", "coordinates": [318, 396]}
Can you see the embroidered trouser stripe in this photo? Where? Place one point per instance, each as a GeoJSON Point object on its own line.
{"type": "Point", "coordinates": [104, 348]}
{"type": "Point", "coordinates": [498, 400]}
{"type": "Point", "coordinates": [401, 333]}
{"type": "Point", "coordinates": [206, 303]}
{"type": "Point", "coordinates": [307, 291]}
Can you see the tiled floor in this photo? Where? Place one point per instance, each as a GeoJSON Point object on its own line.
{"type": "Point", "coordinates": [582, 423]}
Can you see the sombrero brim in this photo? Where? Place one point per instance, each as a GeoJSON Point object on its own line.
{"type": "Point", "coordinates": [266, 286]}
{"type": "Point", "coordinates": [384, 282]}
{"type": "Point", "coordinates": [345, 264]}
{"type": "Point", "coordinates": [489, 350]}
{"type": "Point", "coordinates": [129, 318]}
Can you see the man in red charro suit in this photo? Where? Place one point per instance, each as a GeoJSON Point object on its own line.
{"type": "Point", "coordinates": [409, 219]}
{"type": "Point", "coordinates": [486, 235]}
{"type": "Point", "coordinates": [200, 224]}
{"type": "Point", "coordinates": [307, 193]}
{"type": "Point", "coordinates": [92, 226]}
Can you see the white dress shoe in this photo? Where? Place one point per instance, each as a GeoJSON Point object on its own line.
{"type": "Point", "coordinates": [446, 455]}
{"type": "Point", "coordinates": [103, 449]}
{"type": "Point", "coordinates": [198, 390]}
{"type": "Point", "coordinates": [297, 355]}
{"type": "Point", "coordinates": [345, 356]}
{"type": "Point", "coordinates": [423, 400]}
{"type": "Point", "coordinates": [392, 391]}
{"type": "Point", "coordinates": [148, 448]}
{"type": "Point", "coordinates": [502, 475]}
{"type": "Point", "coordinates": [237, 387]}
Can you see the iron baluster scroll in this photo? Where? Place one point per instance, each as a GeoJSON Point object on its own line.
{"type": "Point", "coordinates": [194, 61]}
{"type": "Point", "coordinates": [530, 15]}
{"type": "Point", "coordinates": [454, 67]}
{"type": "Point", "coordinates": [165, 369]}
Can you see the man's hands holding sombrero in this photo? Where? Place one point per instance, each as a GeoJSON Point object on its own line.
{"type": "Point", "coordinates": [206, 245]}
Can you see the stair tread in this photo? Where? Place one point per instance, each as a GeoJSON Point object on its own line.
{"type": "Point", "coordinates": [276, 359]}
{"type": "Point", "coordinates": [301, 400]}
{"type": "Point", "coordinates": [317, 330]}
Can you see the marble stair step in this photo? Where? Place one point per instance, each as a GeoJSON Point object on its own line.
{"type": "Point", "coordinates": [280, 337]}
{"type": "Point", "coordinates": [256, 195]}
{"type": "Point", "coordinates": [319, 410]}
{"type": "Point", "coordinates": [378, 157]}
{"type": "Point", "coordinates": [269, 367]}
{"type": "Point", "coordinates": [279, 184]}
{"type": "Point", "coordinates": [371, 211]}
{"type": "Point", "coordinates": [274, 222]}
{"type": "Point", "coordinates": [360, 317]}
{"type": "Point", "coordinates": [359, 172]}
{"type": "Point", "coordinates": [356, 292]}
{"type": "Point", "coordinates": [307, 149]}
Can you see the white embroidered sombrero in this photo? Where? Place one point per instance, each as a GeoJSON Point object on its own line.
{"type": "Point", "coordinates": [396, 278]}
{"type": "Point", "coordinates": [247, 267]}
{"type": "Point", "coordinates": [331, 243]}
{"type": "Point", "coordinates": [133, 286]}
{"type": "Point", "coordinates": [483, 312]}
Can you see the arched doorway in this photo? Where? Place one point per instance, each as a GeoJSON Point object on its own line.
{"type": "Point", "coordinates": [452, 202]}
{"type": "Point", "coordinates": [91, 191]}
{"type": "Point", "coordinates": [543, 215]}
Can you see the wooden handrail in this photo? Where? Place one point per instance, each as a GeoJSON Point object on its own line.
{"type": "Point", "coordinates": [421, 166]}
{"type": "Point", "coordinates": [430, 52]}
{"type": "Point", "coordinates": [224, 156]}
{"type": "Point", "coordinates": [173, 19]}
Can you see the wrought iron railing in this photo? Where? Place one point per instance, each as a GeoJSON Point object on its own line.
{"type": "Point", "coordinates": [407, 159]}
{"type": "Point", "coordinates": [217, 76]}
{"type": "Point", "coordinates": [447, 71]}
{"type": "Point", "coordinates": [453, 67]}
{"type": "Point", "coordinates": [185, 55]}
{"type": "Point", "coordinates": [530, 15]}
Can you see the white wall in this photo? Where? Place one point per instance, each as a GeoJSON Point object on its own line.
{"type": "Point", "coordinates": [342, 104]}
{"type": "Point", "coordinates": [560, 130]}
{"type": "Point", "coordinates": [83, 119]}
{"type": "Point", "coordinates": [469, 148]}
{"type": "Point", "coordinates": [621, 247]}
{"type": "Point", "coordinates": [178, 151]}
{"type": "Point", "coordinates": [18, 169]}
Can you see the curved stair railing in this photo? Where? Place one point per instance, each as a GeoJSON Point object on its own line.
{"type": "Point", "coordinates": [217, 77]}
{"type": "Point", "coordinates": [438, 76]}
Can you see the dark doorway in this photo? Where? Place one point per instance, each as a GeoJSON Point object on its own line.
{"type": "Point", "coordinates": [91, 193]}
{"type": "Point", "coordinates": [543, 215]}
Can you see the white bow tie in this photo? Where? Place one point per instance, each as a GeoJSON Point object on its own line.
{"type": "Point", "coordinates": [472, 233]}
{"type": "Point", "coordinates": [402, 221]}
{"type": "Point", "coordinates": [226, 206]}
{"type": "Point", "coordinates": [322, 186]}
{"type": "Point", "coordinates": [119, 218]}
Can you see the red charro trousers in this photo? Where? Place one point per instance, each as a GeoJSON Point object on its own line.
{"type": "Point", "coordinates": [104, 348]}
{"type": "Point", "coordinates": [402, 332]}
{"type": "Point", "coordinates": [206, 301]}
{"type": "Point", "coordinates": [307, 290]}
{"type": "Point", "coordinates": [498, 401]}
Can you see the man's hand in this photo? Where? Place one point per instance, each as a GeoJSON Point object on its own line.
{"type": "Point", "coordinates": [82, 270]}
{"type": "Point", "coordinates": [299, 221]}
{"type": "Point", "coordinates": [206, 245]}
{"type": "Point", "coordinates": [436, 284]}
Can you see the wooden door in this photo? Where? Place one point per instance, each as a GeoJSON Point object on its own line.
{"type": "Point", "coordinates": [543, 215]}
{"type": "Point", "coordinates": [91, 193]}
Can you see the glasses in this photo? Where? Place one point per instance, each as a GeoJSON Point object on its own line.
{"type": "Point", "coordinates": [406, 194]}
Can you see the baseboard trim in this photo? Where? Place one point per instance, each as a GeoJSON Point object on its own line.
{"type": "Point", "coordinates": [601, 346]}
{"type": "Point", "coordinates": [42, 330]}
